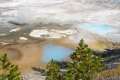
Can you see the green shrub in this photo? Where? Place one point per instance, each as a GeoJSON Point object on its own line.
{"type": "Point", "coordinates": [8, 71]}
{"type": "Point", "coordinates": [53, 71]}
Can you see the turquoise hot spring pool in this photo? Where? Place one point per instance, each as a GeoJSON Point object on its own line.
{"type": "Point", "coordinates": [55, 52]}
{"type": "Point", "coordinates": [98, 28]}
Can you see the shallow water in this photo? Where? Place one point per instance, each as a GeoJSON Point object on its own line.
{"type": "Point", "coordinates": [97, 28]}
{"type": "Point", "coordinates": [55, 52]}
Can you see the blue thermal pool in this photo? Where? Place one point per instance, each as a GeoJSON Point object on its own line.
{"type": "Point", "coordinates": [56, 52]}
{"type": "Point", "coordinates": [97, 28]}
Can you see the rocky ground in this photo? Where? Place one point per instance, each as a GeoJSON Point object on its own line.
{"type": "Point", "coordinates": [33, 76]}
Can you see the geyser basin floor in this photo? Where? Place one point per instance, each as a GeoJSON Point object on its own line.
{"type": "Point", "coordinates": [33, 52]}
{"type": "Point", "coordinates": [55, 52]}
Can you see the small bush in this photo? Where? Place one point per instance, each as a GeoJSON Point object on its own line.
{"type": "Point", "coordinates": [8, 71]}
{"type": "Point", "coordinates": [53, 71]}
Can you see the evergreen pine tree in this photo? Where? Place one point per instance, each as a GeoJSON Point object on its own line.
{"type": "Point", "coordinates": [84, 65]}
{"type": "Point", "coordinates": [8, 71]}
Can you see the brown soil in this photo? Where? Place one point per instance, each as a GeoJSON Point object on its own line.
{"type": "Point", "coordinates": [28, 55]}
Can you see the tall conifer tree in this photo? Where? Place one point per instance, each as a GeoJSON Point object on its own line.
{"type": "Point", "coordinates": [84, 65]}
